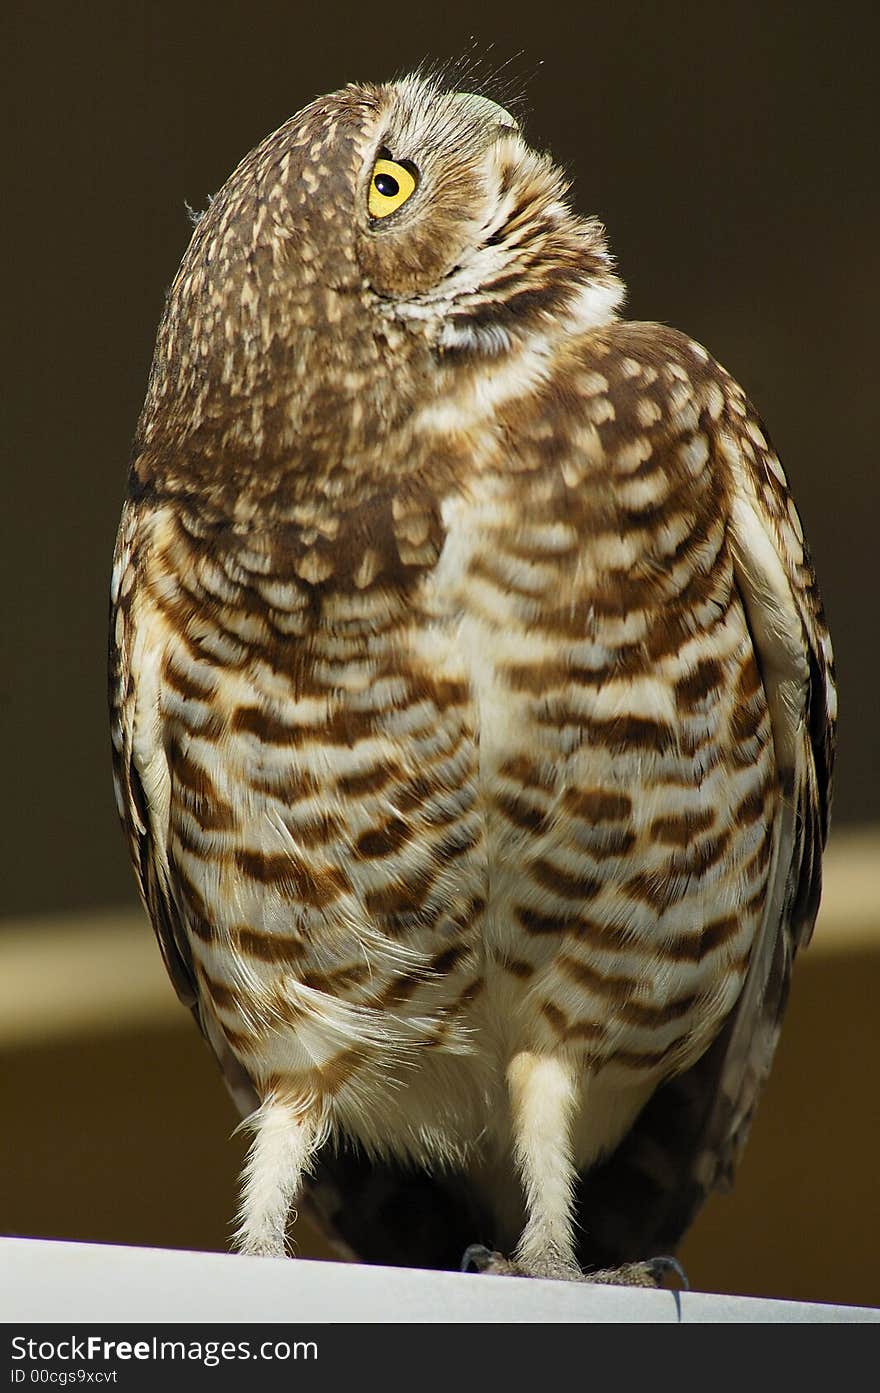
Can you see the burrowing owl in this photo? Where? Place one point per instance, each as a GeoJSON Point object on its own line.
{"type": "Point", "coordinates": [472, 700]}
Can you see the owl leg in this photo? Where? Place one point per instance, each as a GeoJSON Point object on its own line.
{"type": "Point", "coordinates": [544, 1092]}
{"type": "Point", "coordinates": [286, 1135]}
{"type": "Point", "coordinates": [543, 1095]}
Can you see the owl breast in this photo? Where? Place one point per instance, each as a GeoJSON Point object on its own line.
{"type": "Point", "coordinates": [626, 776]}
{"type": "Point", "coordinates": [524, 803]}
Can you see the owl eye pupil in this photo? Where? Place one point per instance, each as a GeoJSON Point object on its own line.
{"type": "Point", "coordinates": [387, 185]}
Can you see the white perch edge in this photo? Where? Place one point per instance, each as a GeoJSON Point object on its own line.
{"type": "Point", "coordinates": [53, 1282]}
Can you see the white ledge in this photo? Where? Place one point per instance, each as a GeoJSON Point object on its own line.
{"type": "Point", "coordinates": [48, 1282]}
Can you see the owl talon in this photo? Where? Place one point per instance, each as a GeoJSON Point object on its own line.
{"type": "Point", "coordinates": [478, 1258]}
{"type": "Point", "coordinates": [650, 1273]}
{"type": "Point", "coordinates": [668, 1266]}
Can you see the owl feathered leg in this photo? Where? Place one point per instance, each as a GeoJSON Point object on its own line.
{"type": "Point", "coordinates": [544, 1094]}
{"type": "Point", "coordinates": [287, 1133]}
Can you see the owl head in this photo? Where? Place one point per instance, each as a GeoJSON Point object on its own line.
{"type": "Point", "coordinates": [382, 235]}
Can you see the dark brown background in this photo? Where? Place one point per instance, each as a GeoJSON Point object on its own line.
{"type": "Point", "coordinates": [732, 152]}
{"type": "Point", "coordinates": [730, 149]}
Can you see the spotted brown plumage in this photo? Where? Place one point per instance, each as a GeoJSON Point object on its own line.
{"type": "Point", "coordinates": [472, 700]}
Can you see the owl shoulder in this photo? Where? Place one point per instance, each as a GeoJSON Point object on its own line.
{"type": "Point", "coordinates": [632, 399]}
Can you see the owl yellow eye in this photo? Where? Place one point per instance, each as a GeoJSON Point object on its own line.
{"type": "Point", "coordinates": [391, 185]}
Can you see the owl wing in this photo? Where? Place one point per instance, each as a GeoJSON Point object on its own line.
{"type": "Point", "coordinates": [138, 758]}
{"type": "Point", "coordinates": [778, 587]}
{"type": "Point", "coordinates": [689, 1138]}
{"type": "Point", "coordinates": [142, 783]}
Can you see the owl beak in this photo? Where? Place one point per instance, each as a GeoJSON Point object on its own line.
{"type": "Point", "coordinates": [488, 111]}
